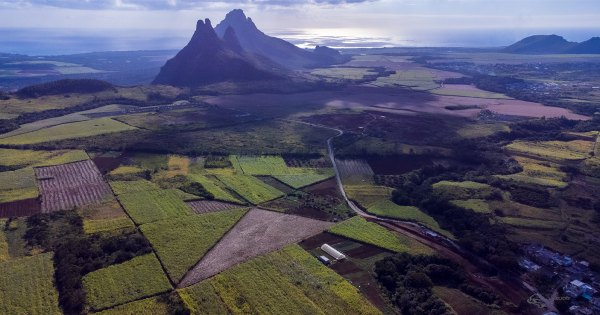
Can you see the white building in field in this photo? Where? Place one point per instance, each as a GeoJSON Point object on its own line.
{"type": "Point", "coordinates": [333, 252]}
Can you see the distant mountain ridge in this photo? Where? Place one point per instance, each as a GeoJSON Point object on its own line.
{"type": "Point", "coordinates": [207, 59]}
{"type": "Point", "coordinates": [553, 44]}
{"type": "Point", "coordinates": [276, 49]}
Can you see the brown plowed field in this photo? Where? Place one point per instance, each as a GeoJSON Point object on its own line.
{"type": "Point", "coordinates": [20, 208]}
{"type": "Point", "coordinates": [257, 233]}
{"type": "Point", "coordinates": [67, 186]}
{"type": "Point", "coordinates": [205, 206]}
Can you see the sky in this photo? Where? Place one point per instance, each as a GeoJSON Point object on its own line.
{"type": "Point", "coordinates": [66, 26]}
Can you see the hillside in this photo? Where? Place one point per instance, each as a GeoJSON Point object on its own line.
{"type": "Point", "coordinates": [208, 59]}
{"type": "Point", "coordinates": [540, 44]}
{"type": "Point", "coordinates": [284, 53]}
{"type": "Point", "coordinates": [590, 46]}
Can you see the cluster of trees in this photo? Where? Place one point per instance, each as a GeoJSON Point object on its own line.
{"type": "Point", "coordinates": [76, 253]}
{"type": "Point", "coordinates": [197, 189]}
{"type": "Point", "coordinates": [409, 280]}
{"type": "Point", "coordinates": [64, 87]}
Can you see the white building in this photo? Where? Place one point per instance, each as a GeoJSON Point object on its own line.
{"type": "Point", "coordinates": [332, 252]}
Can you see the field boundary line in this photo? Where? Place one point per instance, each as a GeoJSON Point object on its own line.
{"type": "Point", "coordinates": [210, 249]}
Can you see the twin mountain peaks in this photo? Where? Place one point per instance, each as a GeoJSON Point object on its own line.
{"type": "Point", "coordinates": [236, 50]}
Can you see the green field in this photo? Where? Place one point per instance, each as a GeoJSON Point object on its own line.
{"type": "Point", "coordinates": [361, 230]}
{"type": "Point", "coordinates": [538, 172]}
{"type": "Point", "coordinates": [368, 195]}
{"type": "Point", "coordinates": [418, 79]}
{"type": "Point", "coordinates": [150, 206]}
{"type": "Point", "coordinates": [215, 187]}
{"type": "Point", "coordinates": [22, 158]}
{"type": "Point", "coordinates": [181, 242]}
{"type": "Point", "coordinates": [69, 131]}
{"type": "Point", "coordinates": [532, 223]}
{"type": "Point", "coordinates": [289, 281]}
{"type": "Point", "coordinates": [387, 208]}
{"type": "Point", "coordinates": [18, 185]}
{"type": "Point", "coordinates": [149, 306]}
{"type": "Point", "coordinates": [477, 205]}
{"type": "Point", "coordinates": [479, 130]}
{"type": "Point", "coordinates": [27, 286]}
{"type": "Point", "coordinates": [95, 226]}
{"type": "Point", "coordinates": [4, 255]}
{"type": "Point", "coordinates": [133, 186]}
{"type": "Point", "coordinates": [450, 91]}
{"type": "Point", "coordinates": [462, 190]}
{"type": "Point", "coordinates": [269, 165]}
{"type": "Point", "coordinates": [250, 188]}
{"type": "Point", "coordinates": [132, 280]}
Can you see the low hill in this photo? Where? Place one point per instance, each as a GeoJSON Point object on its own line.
{"type": "Point", "coordinates": [282, 52]}
{"type": "Point", "coordinates": [590, 46]}
{"type": "Point", "coordinates": [540, 44]}
{"type": "Point", "coordinates": [63, 87]}
{"type": "Point", "coordinates": [207, 59]}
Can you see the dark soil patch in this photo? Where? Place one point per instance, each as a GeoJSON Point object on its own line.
{"type": "Point", "coordinates": [320, 239]}
{"type": "Point", "coordinates": [364, 251]}
{"type": "Point", "coordinates": [310, 213]}
{"type": "Point", "coordinates": [326, 188]}
{"type": "Point", "coordinates": [275, 183]}
{"type": "Point", "coordinates": [20, 208]}
{"type": "Point", "coordinates": [369, 288]}
{"type": "Point", "coordinates": [345, 267]}
{"type": "Point", "coordinates": [396, 165]}
{"type": "Point", "coordinates": [107, 164]}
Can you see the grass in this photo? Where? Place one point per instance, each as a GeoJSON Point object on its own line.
{"type": "Point", "coordinates": [345, 73]}
{"type": "Point", "coordinates": [361, 230]}
{"type": "Point", "coordinates": [18, 185]}
{"type": "Point", "coordinates": [553, 150]}
{"type": "Point", "coordinates": [464, 304]}
{"type": "Point", "coordinates": [481, 130]}
{"type": "Point", "coordinates": [449, 91]}
{"type": "Point", "coordinates": [178, 165]}
{"type": "Point", "coordinates": [418, 79]}
{"type": "Point", "coordinates": [368, 195]}
{"type": "Point", "coordinates": [591, 166]}
{"type": "Point", "coordinates": [538, 172]}
{"type": "Point", "coordinates": [68, 131]}
{"type": "Point", "coordinates": [151, 161]}
{"type": "Point", "coordinates": [4, 255]}
{"type": "Point", "coordinates": [21, 158]}
{"type": "Point", "coordinates": [26, 286]}
{"type": "Point", "coordinates": [387, 208]}
{"type": "Point", "coordinates": [203, 299]}
{"type": "Point", "coordinates": [215, 187]}
{"type": "Point", "coordinates": [95, 226]}
{"type": "Point", "coordinates": [462, 190]}
{"type": "Point", "coordinates": [531, 223]}
{"type": "Point", "coordinates": [477, 205]}
{"type": "Point", "coordinates": [128, 187]}
{"type": "Point", "coordinates": [288, 281]}
{"type": "Point", "coordinates": [250, 188]}
{"type": "Point", "coordinates": [132, 280]}
{"type": "Point", "coordinates": [181, 242]}
{"type": "Point", "coordinates": [150, 206]}
{"type": "Point", "coordinates": [149, 306]}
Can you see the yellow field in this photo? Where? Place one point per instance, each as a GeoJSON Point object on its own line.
{"type": "Point", "coordinates": [178, 165]}
{"type": "Point", "coordinates": [538, 172]}
{"type": "Point", "coordinates": [554, 150]}
{"type": "Point", "coordinates": [69, 131]}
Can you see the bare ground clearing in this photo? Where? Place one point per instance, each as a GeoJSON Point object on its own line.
{"type": "Point", "coordinates": [64, 187]}
{"type": "Point", "coordinates": [258, 232]}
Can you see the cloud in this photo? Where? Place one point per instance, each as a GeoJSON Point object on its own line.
{"type": "Point", "coordinates": [167, 4]}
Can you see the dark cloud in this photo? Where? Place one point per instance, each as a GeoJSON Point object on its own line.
{"type": "Point", "coordinates": [165, 4]}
